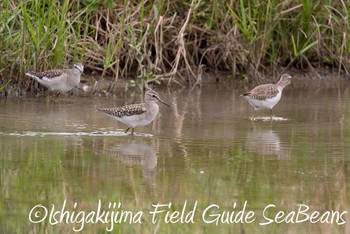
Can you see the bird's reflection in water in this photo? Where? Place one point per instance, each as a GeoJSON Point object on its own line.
{"type": "Point", "coordinates": [135, 153]}
{"type": "Point", "coordinates": [266, 142]}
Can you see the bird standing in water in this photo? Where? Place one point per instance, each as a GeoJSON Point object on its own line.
{"type": "Point", "coordinates": [266, 96]}
{"type": "Point", "coordinates": [61, 80]}
{"type": "Point", "coordinates": [136, 114]}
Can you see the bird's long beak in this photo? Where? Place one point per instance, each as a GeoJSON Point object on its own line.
{"type": "Point", "coordinates": [163, 102]}
{"type": "Point", "coordinates": [292, 85]}
{"type": "Point", "coordinates": [83, 74]}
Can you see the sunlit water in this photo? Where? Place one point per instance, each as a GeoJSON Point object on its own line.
{"type": "Point", "coordinates": [204, 148]}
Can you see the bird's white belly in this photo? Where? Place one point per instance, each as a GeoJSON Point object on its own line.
{"type": "Point", "coordinates": [138, 120]}
{"type": "Point", "coordinates": [265, 104]}
{"type": "Point", "coordinates": [59, 84]}
{"type": "Point", "coordinates": [60, 87]}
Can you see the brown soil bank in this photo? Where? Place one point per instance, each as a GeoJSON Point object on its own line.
{"type": "Point", "coordinates": [168, 41]}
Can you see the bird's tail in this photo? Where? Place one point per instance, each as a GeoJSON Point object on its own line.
{"type": "Point", "coordinates": [245, 94]}
{"type": "Point", "coordinates": [33, 76]}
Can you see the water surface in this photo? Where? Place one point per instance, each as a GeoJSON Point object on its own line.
{"type": "Point", "coordinates": [204, 148]}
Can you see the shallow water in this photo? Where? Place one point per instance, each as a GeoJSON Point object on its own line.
{"type": "Point", "coordinates": [204, 148]}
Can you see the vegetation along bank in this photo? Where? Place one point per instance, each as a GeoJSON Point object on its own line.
{"type": "Point", "coordinates": [167, 41]}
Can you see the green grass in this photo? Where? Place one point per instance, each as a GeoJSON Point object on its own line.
{"type": "Point", "coordinates": [167, 39]}
{"type": "Point", "coordinates": [4, 85]}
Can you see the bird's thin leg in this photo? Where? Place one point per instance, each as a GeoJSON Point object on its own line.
{"type": "Point", "coordinates": [127, 130]}
{"type": "Point", "coordinates": [132, 131]}
{"type": "Point", "coordinates": [253, 116]}
{"type": "Point", "coordinates": [271, 114]}
{"type": "Point", "coordinates": [48, 96]}
{"type": "Point", "coordinates": [57, 96]}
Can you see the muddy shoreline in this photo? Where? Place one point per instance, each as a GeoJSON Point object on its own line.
{"type": "Point", "coordinates": [95, 86]}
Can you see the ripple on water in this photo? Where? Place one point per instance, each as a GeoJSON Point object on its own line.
{"type": "Point", "coordinates": [94, 134]}
{"type": "Point", "coordinates": [267, 118]}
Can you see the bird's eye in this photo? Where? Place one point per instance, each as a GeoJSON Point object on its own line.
{"type": "Point", "coordinates": [154, 95]}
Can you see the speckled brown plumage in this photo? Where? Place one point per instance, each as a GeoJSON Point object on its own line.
{"type": "Point", "coordinates": [60, 80]}
{"type": "Point", "coordinates": [49, 74]}
{"type": "Point", "coordinates": [129, 110]}
{"type": "Point", "coordinates": [263, 92]}
{"type": "Point", "coordinates": [136, 114]}
{"type": "Point", "coordinates": [266, 96]}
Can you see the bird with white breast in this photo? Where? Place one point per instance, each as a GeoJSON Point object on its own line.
{"type": "Point", "coordinates": [60, 80]}
{"type": "Point", "coordinates": [266, 96]}
{"type": "Point", "coordinates": [136, 114]}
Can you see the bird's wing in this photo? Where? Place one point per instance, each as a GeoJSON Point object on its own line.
{"type": "Point", "coordinates": [262, 92]}
{"type": "Point", "coordinates": [48, 75]}
{"type": "Point", "coordinates": [135, 109]}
